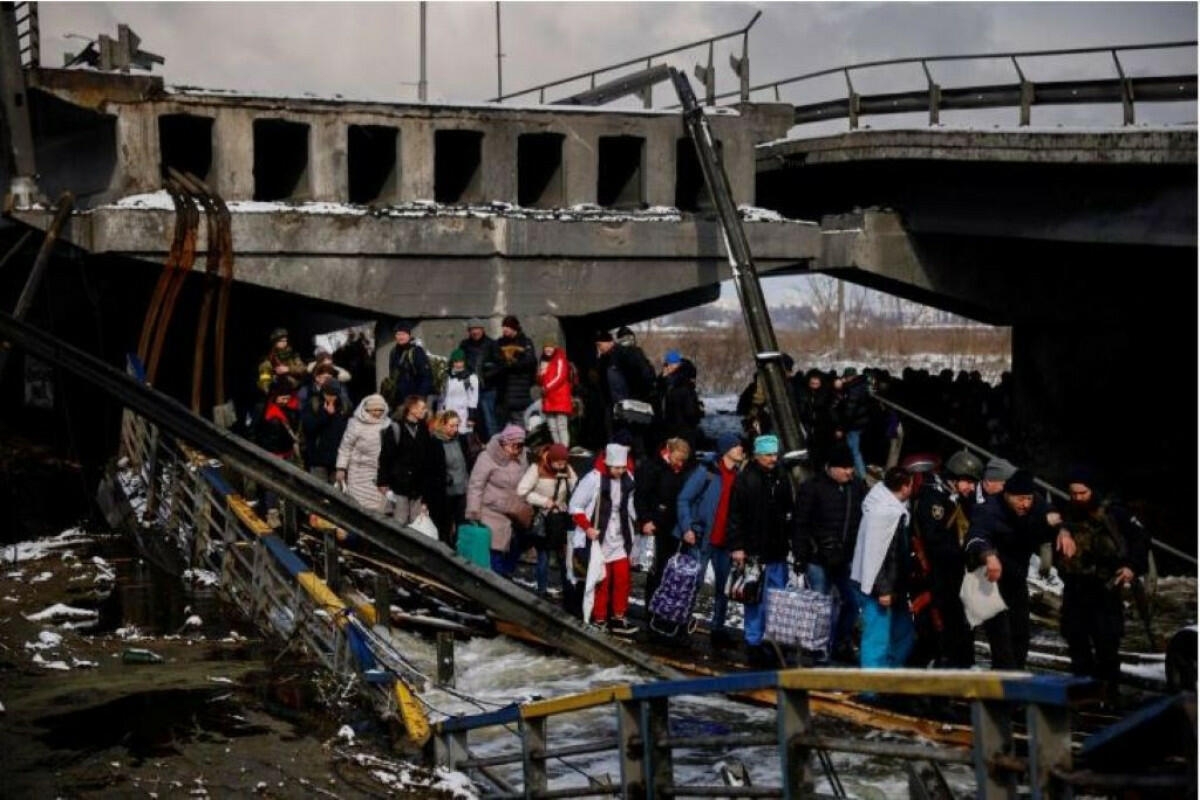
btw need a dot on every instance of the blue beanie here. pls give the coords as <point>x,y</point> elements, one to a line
<point>672,357</point>
<point>766,445</point>
<point>726,442</point>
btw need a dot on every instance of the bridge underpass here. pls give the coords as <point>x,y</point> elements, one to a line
<point>1085,244</point>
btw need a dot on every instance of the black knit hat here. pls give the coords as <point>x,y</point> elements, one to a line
<point>402,325</point>
<point>840,455</point>
<point>277,334</point>
<point>511,322</point>
<point>1020,483</point>
<point>602,336</point>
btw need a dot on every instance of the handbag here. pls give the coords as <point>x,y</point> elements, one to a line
<point>980,597</point>
<point>745,583</point>
<point>521,513</point>
<point>798,615</point>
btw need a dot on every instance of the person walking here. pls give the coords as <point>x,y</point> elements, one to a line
<point>492,497</point>
<point>404,459</point>
<point>703,513</point>
<point>761,514</point>
<point>879,569</point>
<point>828,513</point>
<point>358,452</point>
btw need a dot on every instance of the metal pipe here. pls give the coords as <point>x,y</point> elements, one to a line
<point>744,740</point>
<point>582,749</point>
<point>422,85</point>
<point>720,791</point>
<point>499,55</point>
<point>919,752</point>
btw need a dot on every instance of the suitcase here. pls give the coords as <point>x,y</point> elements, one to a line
<point>799,616</point>
<point>671,605</point>
<point>475,544</point>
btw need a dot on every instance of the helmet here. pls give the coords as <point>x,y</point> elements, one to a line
<point>965,464</point>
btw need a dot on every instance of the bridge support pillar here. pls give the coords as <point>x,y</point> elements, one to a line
<point>993,742</point>
<point>794,720</point>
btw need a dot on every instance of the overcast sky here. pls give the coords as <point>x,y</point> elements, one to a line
<point>370,50</point>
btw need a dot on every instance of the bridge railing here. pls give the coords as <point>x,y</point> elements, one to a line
<point>1022,94</point>
<point>181,500</point>
<point>644,742</point>
<point>707,74</point>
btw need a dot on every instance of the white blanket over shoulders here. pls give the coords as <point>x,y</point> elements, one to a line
<point>882,514</point>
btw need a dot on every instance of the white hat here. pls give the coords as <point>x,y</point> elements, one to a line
<point>616,455</point>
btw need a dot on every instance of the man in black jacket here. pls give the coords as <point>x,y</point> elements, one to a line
<point>655,496</point>
<point>681,409</point>
<point>513,373</point>
<point>760,523</point>
<point>1006,530</point>
<point>323,420</point>
<point>828,512</point>
<point>482,359</point>
<point>852,413</point>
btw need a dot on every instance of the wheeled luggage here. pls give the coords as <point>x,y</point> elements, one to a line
<point>671,605</point>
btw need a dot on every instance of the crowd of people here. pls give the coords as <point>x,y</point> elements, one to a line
<point>489,443</point>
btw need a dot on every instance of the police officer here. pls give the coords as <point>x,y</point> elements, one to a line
<point>1005,531</point>
<point>1110,551</point>
<point>941,520</point>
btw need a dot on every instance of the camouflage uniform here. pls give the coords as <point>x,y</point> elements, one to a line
<point>1092,620</point>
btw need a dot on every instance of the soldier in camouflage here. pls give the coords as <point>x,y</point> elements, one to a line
<point>1111,551</point>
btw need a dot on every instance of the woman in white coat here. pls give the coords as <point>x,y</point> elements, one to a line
<point>358,454</point>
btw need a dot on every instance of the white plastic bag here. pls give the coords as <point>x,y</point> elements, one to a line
<point>642,559</point>
<point>980,597</point>
<point>424,524</point>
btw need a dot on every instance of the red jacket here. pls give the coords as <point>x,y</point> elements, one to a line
<point>556,384</point>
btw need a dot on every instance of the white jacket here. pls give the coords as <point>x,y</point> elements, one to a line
<point>461,396</point>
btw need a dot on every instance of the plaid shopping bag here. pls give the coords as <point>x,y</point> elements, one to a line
<point>800,616</point>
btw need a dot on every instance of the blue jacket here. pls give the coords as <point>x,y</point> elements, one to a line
<point>696,507</point>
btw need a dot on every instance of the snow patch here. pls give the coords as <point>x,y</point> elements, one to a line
<point>46,641</point>
<point>201,577</point>
<point>40,548</point>
<point>44,664</point>
<point>41,577</point>
<point>62,611</point>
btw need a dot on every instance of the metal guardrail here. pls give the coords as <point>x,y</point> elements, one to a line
<point>706,74</point>
<point>1023,94</point>
<point>644,744</point>
<point>180,495</point>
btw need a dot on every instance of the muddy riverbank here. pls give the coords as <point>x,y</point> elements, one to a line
<point>117,682</point>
